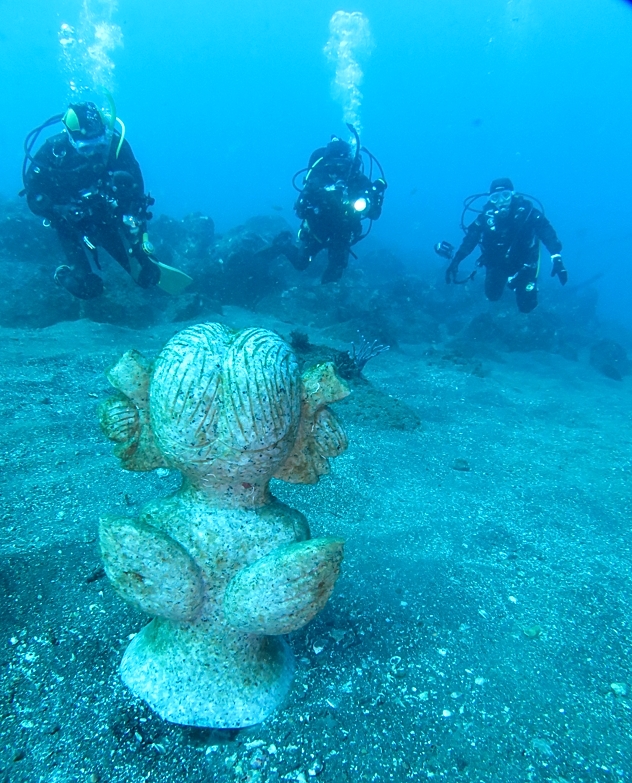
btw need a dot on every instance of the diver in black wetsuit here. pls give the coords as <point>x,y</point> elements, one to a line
<point>509,231</point>
<point>86,183</point>
<point>336,197</point>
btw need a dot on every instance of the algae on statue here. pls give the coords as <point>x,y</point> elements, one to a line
<point>223,567</point>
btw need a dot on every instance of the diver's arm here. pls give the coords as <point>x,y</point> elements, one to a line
<point>360,186</point>
<point>309,199</point>
<point>127,180</point>
<point>546,233</point>
<point>125,161</point>
<point>470,241</point>
<point>375,194</point>
<point>40,204</point>
<point>39,184</point>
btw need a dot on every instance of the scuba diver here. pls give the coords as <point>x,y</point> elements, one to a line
<point>86,183</point>
<point>508,229</point>
<point>335,198</point>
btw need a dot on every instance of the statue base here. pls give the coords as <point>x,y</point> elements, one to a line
<point>192,676</point>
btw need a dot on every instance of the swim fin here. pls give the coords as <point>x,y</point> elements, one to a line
<point>172,280</point>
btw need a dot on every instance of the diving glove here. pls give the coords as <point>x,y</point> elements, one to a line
<point>451,272</point>
<point>559,269</point>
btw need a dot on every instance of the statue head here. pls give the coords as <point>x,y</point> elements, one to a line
<point>229,410</point>
<point>225,405</point>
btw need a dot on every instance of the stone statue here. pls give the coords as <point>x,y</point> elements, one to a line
<point>224,568</point>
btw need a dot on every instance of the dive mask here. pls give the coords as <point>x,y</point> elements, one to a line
<point>99,145</point>
<point>501,198</point>
<point>87,131</point>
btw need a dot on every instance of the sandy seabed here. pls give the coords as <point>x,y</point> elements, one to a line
<point>481,630</point>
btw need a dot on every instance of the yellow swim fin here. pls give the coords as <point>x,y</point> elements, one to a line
<point>172,280</point>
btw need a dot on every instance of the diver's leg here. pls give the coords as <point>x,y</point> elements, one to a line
<point>149,274</point>
<point>131,256</point>
<point>308,248</point>
<point>80,275</point>
<point>527,291</point>
<point>338,259</point>
<point>495,280</point>
<point>283,245</point>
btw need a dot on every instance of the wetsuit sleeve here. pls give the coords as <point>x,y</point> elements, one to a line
<point>303,205</point>
<point>375,193</point>
<point>309,199</point>
<point>127,162</point>
<point>360,185</point>
<point>126,179</point>
<point>546,233</point>
<point>470,241</point>
<point>39,183</point>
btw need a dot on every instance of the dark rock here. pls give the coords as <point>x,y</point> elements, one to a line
<point>185,243</point>
<point>22,235</point>
<point>243,266</point>
<point>511,331</point>
<point>370,407</point>
<point>610,359</point>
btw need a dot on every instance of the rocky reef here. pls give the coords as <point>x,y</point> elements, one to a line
<point>378,296</point>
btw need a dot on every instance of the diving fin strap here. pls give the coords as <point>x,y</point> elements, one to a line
<point>173,281</point>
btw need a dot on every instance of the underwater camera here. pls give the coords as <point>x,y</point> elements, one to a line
<point>445,250</point>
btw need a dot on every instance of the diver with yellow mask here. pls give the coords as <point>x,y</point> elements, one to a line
<point>86,183</point>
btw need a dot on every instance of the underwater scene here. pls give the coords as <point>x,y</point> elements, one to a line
<point>316,366</point>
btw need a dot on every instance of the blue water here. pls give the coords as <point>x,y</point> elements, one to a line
<point>224,101</point>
